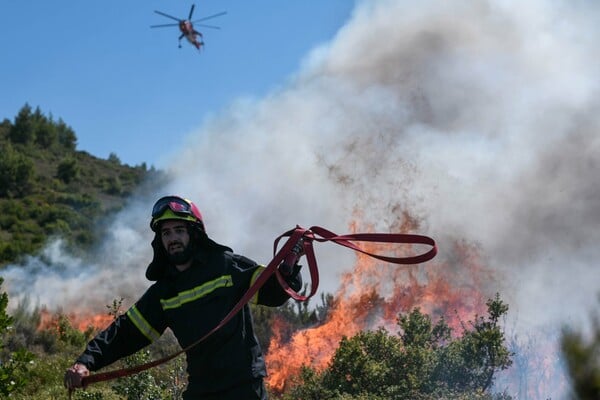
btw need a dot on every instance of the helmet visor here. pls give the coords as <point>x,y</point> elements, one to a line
<point>178,205</point>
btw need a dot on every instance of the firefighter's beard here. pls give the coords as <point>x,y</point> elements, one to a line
<point>181,256</point>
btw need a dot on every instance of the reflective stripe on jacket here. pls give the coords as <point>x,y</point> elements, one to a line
<point>191,303</point>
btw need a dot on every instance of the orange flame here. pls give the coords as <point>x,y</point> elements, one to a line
<point>80,321</point>
<point>372,296</point>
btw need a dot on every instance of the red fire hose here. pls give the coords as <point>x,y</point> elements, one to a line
<point>306,237</point>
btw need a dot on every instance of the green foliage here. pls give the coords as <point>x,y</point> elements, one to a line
<point>59,343</point>
<point>67,170</point>
<point>14,365</point>
<point>66,136</point>
<point>357,368</point>
<point>47,188</point>
<point>45,132</point>
<point>113,158</point>
<point>115,308</point>
<point>5,127</point>
<point>83,395</point>
<point>112,185</point>
<point>16,172</point>
<point>22,132</point>
<point>583,360</point>
<point>46,381</point>
<point>141,386</point>
<point>35,129</point>
<point>423,362</point>
<point>55,346</point>
<point>69,335</point>
<point>481,352</point>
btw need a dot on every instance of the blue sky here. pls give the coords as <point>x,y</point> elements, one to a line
<point>128,89</point>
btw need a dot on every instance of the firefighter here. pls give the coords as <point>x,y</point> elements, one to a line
<point>196,283</point>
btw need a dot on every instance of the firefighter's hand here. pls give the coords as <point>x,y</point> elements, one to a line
<point>74,376</point>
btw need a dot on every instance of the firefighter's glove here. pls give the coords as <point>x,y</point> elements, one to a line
<point>74,376</point>
<point>289,271</point>
<point>289,266</point>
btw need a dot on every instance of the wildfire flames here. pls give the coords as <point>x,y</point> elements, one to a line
<point>372,296</point>
<point>81,322</point>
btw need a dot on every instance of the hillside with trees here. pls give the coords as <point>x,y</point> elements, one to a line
<point>48,187</point>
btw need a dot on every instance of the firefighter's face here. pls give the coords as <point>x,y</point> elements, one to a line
<point>175,239</point>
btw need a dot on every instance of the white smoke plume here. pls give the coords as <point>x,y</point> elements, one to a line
<point>480,118</point>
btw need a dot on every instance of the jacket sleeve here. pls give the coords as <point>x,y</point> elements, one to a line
<point>271,293</point>
<point>141,325</point>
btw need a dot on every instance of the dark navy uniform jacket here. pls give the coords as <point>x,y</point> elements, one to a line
<point>191,303</point>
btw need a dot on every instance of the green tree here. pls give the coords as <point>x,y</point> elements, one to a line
<point>66,135</point>
<point>45,133</point>
<point>583,360</point>
<point>67,170</point>
<point>423,362</point>
<point>113,158</point>
<point>22,131</point>
<point>16,172</point>
<point>13,364</point>
<point>470,364</point>
<point>113,185</point>
<point>5,127</point>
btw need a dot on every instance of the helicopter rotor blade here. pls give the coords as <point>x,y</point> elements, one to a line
<point>209,26</point>
<point>191,12</point>
<point>167,15</point>
<point>210,16</point>
<point>162,25</point>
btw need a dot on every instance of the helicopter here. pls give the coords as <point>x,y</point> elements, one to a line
<point>187,28</point>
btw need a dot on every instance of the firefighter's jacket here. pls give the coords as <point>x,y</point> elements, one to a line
<point>191,303</point>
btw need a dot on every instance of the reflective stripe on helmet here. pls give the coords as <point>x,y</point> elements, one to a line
<point>168,214</point>
<point>197,292</point>
<point>140,322</point>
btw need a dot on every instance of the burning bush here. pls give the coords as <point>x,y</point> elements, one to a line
<point>423,362</point>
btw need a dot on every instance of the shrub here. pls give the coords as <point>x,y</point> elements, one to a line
<point>422,363</point>
<point>14,365</point>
